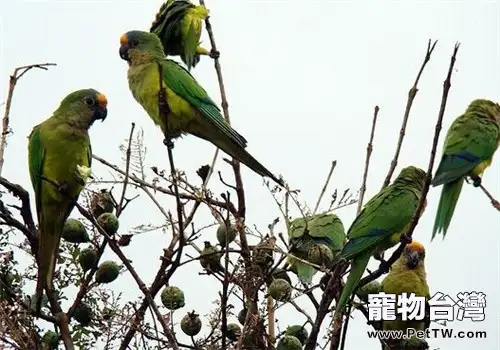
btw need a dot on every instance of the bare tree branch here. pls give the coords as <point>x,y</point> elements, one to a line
<point>411,96</point>
<point>14,78</point>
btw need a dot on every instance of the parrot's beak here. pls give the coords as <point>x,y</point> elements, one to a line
<point>101,110</point>
<point>413,259</point>
<point>124,47</point>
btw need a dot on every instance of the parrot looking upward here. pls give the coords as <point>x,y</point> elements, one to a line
<point>407,275</point>
<point>59,148</point>
<point>380,225</point>
<point>178,24</point>
<point>468,150</point>
<point>190,109</point>
<point>306,233</point>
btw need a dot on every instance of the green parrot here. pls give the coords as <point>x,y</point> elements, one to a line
<point>380,225</point>
<point>408,275</point>
<point>59,150</point>
<point>190,109</point>
<point>178,24</point>
<point>469,147</point>
<point>306,233</point>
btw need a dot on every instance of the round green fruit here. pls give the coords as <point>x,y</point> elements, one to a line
<point>87,259</point>
<point>191,324</point>
<point>226,235</point>
<point>172,298</point>
<point>280,290</point>
<point>75,232</point>
<point>289,342</point>
<point>107,272</point>
<point>298,332</point>
<point>320,254</point>
<point>83,314</point>
<point>51,339</point>
<point>280,273</point>
<point>109,222</point>
<point>233,331</point>
<point>242,315</point>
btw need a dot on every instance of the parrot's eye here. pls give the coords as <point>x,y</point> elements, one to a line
<point>135,42</point>
<point>88,101</point>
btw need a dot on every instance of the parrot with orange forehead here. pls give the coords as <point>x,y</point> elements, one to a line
<point>59,150</point>
<point>189,108</point>
<point>379,226</point>
<point>469,147</point>
<point>408,276</point>
<point>178,24</point>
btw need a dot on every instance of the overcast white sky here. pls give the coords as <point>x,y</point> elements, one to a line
<point>302,78</point>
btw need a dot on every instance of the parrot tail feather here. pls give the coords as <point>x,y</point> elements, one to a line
<point>47,259</point>
<point>305,272</point>
<point>247,159</point>
<point>447,203</point>
<point>358,267</point>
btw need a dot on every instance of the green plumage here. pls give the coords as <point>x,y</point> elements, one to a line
<point>304,233</point>
<point>178,24</point>
<point>57,148</point>
<point>468,150</point>
<point>407,275</point>
<point>190,108</point>
<point>379,225</point>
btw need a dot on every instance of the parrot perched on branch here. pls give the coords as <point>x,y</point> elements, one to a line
<point>468,150</point>
<point>190,109</point>
<point>380,225</point>
<point>306,233</point>
<point>178,24</point>
<point>59,152</point>
<point>408,275</point>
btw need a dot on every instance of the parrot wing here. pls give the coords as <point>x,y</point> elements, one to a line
<point>297,227</point>
<point>327,229</point>
<point>385,214</point>
<point>36,153</point>
<point>180,81</point>
<point>168,17</point>
<point>470,141</point>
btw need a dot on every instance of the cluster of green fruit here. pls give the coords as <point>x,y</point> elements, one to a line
<point>173,298</point>
<point>74,231</point>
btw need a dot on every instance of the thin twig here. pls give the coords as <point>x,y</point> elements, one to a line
<point>23,195</point>
<point>397,253</point>
<point>411,96</point>
<point>14,78</point>
<point>119,209</point>
<point>325,186</point>
<point>141,182</point>
<point>494,202</point>
<point>330,293</point>
<point>142,286</point>
<point>218,69</point>
<point>369,150</point>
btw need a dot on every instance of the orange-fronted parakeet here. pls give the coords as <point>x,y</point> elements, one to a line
<point>408,276</point>
<point>380,225</point>
<point>190,109</point>
<point>178,24</point>
<point>306,238</point>
<point>59,150</point>
<point>468,150</point>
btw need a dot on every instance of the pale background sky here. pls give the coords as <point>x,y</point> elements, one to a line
<point>302,79</point>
